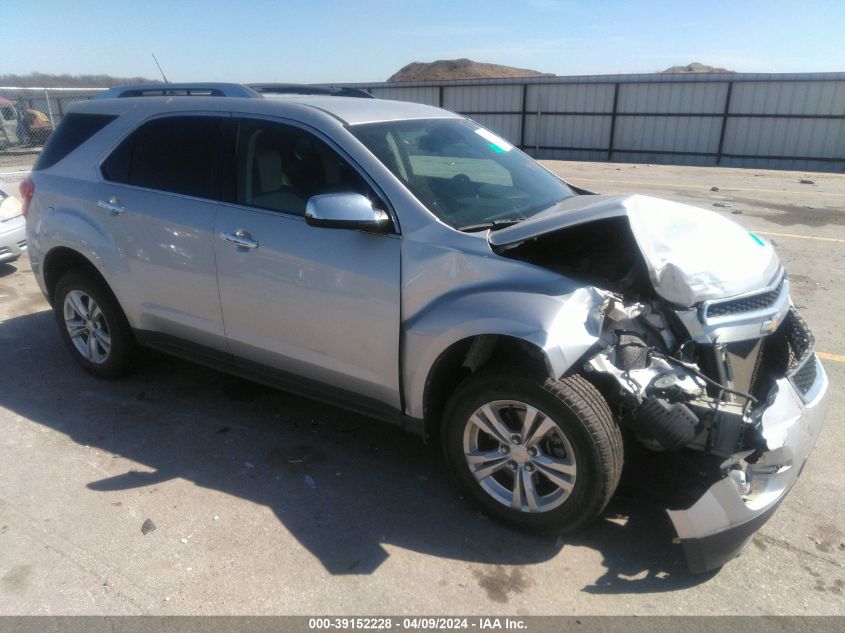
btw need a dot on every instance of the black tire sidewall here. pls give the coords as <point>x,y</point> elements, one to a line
<point>123,347</point>
<point>587,497</point>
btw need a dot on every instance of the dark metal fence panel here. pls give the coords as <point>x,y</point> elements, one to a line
<point>482,98</point>
<point>427,95</point>
<point>775,121</point>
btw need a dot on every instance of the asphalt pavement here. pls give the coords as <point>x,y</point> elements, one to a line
<point>179,490</point>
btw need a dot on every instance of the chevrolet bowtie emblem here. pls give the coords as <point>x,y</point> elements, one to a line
<point>769,326</point>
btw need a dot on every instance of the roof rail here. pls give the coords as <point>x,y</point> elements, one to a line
<point>305,89</point>
<point>180,90</point>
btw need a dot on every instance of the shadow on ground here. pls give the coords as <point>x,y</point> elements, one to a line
<point>343,485</point>
<point>7,269</point>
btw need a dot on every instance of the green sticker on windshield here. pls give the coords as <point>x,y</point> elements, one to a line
<point>496,143</point>
<point>756,239</point>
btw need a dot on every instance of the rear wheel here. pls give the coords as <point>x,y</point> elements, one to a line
<point>536,453</point>
<point>92,325</point>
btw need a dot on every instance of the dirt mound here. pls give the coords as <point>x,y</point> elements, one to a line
<point>696,67</point>
<point>445,69</point>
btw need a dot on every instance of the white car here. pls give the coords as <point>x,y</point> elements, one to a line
<point>12,227</point>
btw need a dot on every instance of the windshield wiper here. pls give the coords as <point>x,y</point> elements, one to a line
<point>493,225</point>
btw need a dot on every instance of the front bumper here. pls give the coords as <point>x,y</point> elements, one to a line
<point>12,239</point>
<point>722,521</point>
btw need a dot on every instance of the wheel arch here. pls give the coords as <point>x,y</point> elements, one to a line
<point>60,260</point>
<point>556,330</point>
<point>467,356</point>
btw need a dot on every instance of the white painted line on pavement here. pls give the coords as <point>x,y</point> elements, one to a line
<point>722,190</point>
<point>801,237</point>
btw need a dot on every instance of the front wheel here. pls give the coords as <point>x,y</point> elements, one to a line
<point>537,453</point>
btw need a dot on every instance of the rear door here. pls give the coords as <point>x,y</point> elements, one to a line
<point>159,204</point>
<point>317,304</point>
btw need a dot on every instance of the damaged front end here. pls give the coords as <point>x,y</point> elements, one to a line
<point>757,405</point>
<point>716,366</point>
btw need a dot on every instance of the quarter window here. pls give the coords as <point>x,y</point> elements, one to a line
<point>279,167</point>
<point>73,131</point>
<point>175,154</point>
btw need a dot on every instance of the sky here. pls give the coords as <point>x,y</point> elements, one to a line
<point>325,41</point>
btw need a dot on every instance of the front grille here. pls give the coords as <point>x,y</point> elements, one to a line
<point>799,338</point>
<point>805,377</point>
<point>746,304</point>
<point>788,352</point>
<point>22,244</point>
<point>5,251</point>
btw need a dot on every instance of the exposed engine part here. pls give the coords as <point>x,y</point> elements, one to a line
<point>701,375</point>
<point>631,352</point>
<point>671,425</point>
<point>603,252</point>
<point>668,400</point>
<point>634,383</point>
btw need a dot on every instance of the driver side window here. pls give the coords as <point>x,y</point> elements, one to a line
<point>279,167</point>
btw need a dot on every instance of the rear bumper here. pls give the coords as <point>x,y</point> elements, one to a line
<point>723,520</point>
<point>12,239</point>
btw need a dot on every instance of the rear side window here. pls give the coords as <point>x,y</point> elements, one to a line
<point>176,154</point>
<point>72,132</point>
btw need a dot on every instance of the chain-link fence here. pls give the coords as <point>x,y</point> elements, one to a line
<point>29,115</point>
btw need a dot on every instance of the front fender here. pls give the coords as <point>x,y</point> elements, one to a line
<point>561,326</point>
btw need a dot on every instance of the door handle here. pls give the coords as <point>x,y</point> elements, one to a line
<point>114,206</point>
<point>240,238</point>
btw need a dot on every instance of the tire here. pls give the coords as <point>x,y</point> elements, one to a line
<point>573,427</point>
<point>74,293</point>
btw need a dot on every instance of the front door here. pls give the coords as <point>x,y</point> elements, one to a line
<point>318,307</point>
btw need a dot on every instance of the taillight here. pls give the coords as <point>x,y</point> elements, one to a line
<point>27,190</point>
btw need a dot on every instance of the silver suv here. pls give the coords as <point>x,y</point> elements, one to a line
<point>403,262</point>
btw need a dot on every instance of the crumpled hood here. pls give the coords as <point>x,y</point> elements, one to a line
<point>692,255</point>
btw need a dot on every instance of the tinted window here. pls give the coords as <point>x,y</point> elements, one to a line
<point>72,132</point>
<point>175,154</point>
<point>279,167</point>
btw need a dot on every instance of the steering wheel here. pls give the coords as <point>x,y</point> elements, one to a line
<point>461,185</point>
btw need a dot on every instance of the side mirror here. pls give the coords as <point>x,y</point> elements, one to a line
<point>346,211</point>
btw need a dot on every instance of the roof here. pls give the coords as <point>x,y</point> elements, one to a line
<point>354,110</point>
<point>348,110</point>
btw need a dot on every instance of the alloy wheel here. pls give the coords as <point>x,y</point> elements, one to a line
<point>519,456</point>
<point>87,326</point>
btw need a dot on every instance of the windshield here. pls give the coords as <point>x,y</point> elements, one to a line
<point>466,175</point>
